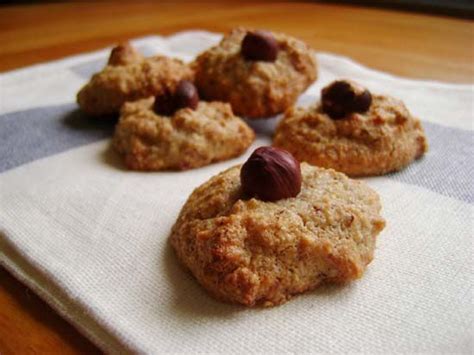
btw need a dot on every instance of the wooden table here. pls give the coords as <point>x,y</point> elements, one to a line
<point>411,45</point>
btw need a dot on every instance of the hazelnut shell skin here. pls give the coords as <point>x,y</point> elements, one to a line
<point>260,46</point>
<point>164,104</point>
<point>362,101</point>
<point>341,98</point>
<point>271,174</point>
<point>185,95</point>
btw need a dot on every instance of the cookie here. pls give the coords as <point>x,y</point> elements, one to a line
<point>189,138</point>
<point>246,250</point>
<point>129,76</point>
<point>260,79</point>
<point>353,132</point>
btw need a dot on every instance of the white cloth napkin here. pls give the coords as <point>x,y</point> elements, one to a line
<point>91,238</point>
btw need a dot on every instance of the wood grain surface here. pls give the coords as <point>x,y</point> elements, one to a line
<point>410,45</point>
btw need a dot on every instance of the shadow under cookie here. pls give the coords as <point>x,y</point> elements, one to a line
<point>79,121</point>
<point>189,299</point>
<point>110,157</point>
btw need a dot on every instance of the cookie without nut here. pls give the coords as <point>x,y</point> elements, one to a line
<point>386,138</point>
<point>262,253</point>
<point>255,88</point>
<point>187,139</point>
<point>129,76</point>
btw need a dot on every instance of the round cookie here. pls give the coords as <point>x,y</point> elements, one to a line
<point>129,76</point>
<point>255,88</point>
<point>248,251</point>
<point>187,139</point>
<point>383,139</point>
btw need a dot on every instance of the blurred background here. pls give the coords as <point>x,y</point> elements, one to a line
<point>455,8</point>
<point>425,39</point>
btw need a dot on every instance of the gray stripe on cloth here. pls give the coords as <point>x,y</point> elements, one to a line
<point>448,167</point>
<point>89,68</point>
<point>28,135</point>
<point>40,132</point>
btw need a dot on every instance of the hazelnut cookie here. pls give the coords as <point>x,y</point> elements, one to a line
<point>176,131</point>
<point>353,132</point>
<point>258,248</point>
<point>259,73</point>
<point>129,76</point>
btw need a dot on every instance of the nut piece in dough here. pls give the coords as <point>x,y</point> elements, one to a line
<point>188,139</point>
<point>129,76</point>
<point>254,252</point>
<point>383,139</point>
<point>255,88</point>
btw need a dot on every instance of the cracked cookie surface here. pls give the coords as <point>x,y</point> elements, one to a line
<point>187,139</point>
<point>253,252</point>
<point>129,76</point>
<point>255,88</point>
<point>386,138</point>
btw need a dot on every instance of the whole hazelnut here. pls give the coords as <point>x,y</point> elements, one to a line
<point>185,95</point>
<point>260,45</point>
<point>271,174</point>
<point>343,97</point>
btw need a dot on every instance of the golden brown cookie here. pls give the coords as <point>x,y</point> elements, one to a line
<point>256,88</point>
<point>129,76</point>
<point>383,138</point>
<point>187,139</point>
<point>245,250</point>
